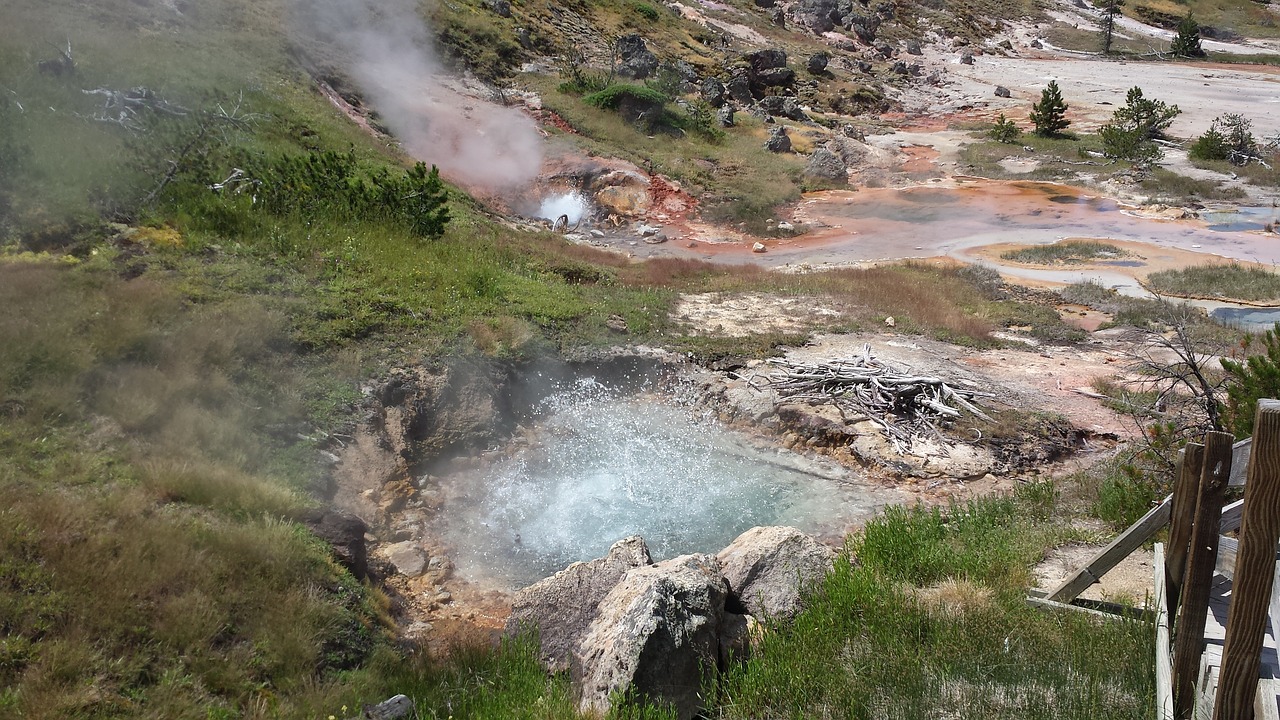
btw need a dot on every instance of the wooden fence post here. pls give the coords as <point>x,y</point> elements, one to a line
<point>1188,645</point>
<point>1255,570</point>
<point>1181,518</point>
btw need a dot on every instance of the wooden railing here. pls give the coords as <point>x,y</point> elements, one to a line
<point>1197,552</point>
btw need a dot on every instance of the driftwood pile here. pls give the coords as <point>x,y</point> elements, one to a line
<point>903,404</point>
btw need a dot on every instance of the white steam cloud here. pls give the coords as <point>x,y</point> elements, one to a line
<point>384,47</point>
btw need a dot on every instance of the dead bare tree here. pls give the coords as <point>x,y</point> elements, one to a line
<point>64,64</point>
<point>1181,385</point>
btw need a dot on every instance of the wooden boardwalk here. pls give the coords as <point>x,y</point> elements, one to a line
<point>1267,705</point>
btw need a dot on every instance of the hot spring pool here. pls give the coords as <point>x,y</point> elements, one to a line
<point>597,467</point>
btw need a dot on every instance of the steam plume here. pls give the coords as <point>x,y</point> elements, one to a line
<point>383,45</point>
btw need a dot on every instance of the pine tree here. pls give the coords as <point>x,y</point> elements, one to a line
<point>1110,9</point>
<point>1050,114</point>
<point>1187,42</point>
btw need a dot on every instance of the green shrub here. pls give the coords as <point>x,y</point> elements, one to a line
<point>331,184</point>
<point>1256,376</point>
<point>644,10</point>
<point>616,97</point>
<point>1004,130</point>
<point>1132,128</point>
<point>1230,138</point>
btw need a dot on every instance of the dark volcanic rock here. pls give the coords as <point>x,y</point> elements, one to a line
<point>345,534</point>
<point>818,62</point>
<point>827,165</point>
<point>637,60</point>
<point>778,141</point>
<point>713,92</point>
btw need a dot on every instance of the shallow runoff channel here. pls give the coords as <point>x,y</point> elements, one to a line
<point>596,466</point>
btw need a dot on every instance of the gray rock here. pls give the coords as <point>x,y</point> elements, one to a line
<point>767,566</point>
<point>785,106</point>
<point>913,47</point>
<point>636,59</point>
<point>778,17</point>
<point>408,558</point>
<point>725,116</point>
<point>885,50</point>
<point>1002,91</point>
<point>501,7</point>
<point>865,67</point>
<point>765,3</point>
<point>739,88</point>
<point>826,165</point>
<point>778,141</point>
<point>900,67</point>
<point>656,633</point>
<point>885,11</point>
<point>1005,45</point>
<point>818,16</point>
<point>818,62</point>
<point>1035,43</point>
<point>776,77</point>
<point>562,606</point>
<point>864,26</point>
<point>966,58</point>
<point>762,60</point>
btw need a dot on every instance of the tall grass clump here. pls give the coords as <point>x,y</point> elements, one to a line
<point>1228,280</point>
<point>1066,251</point>
<point>926,617</point>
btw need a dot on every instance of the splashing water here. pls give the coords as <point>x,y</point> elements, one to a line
<point>573,204</point>
<point>606,467</point>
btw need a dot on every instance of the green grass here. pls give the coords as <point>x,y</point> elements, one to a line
<point>931,621</point>
<point>1170,187</point>
<point>1219,280</point>
<point>1253,173</point>
<point>1053,154</point>
<point>1065,252</point>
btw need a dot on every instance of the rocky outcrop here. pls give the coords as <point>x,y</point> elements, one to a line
<point>659,631</point>
<point>826,165</point>
<point>818,16</point>
<point>637,61</point>
<point>778,141</point>
<point>656,634</point>
<point>562,606</point>
<point>783,106</point>
<point>713,92</point>
<point>767,567</point>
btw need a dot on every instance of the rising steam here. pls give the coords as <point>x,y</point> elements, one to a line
<point>383,45</point>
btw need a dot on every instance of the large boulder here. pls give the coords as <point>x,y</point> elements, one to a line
<point>766,567</point>
<point>778,140</point>
<point>762,60</point>
<point>562,606</point>
<point>656,634</point>
<point>817,62</point>
<point>739,88</point>
<point>345,534</point>
<point>818,16</point>
<point>637,61</point>
<point>827,165</point>
<point>713,92</point>
<point>776,77</point>
<point>783,106</point>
